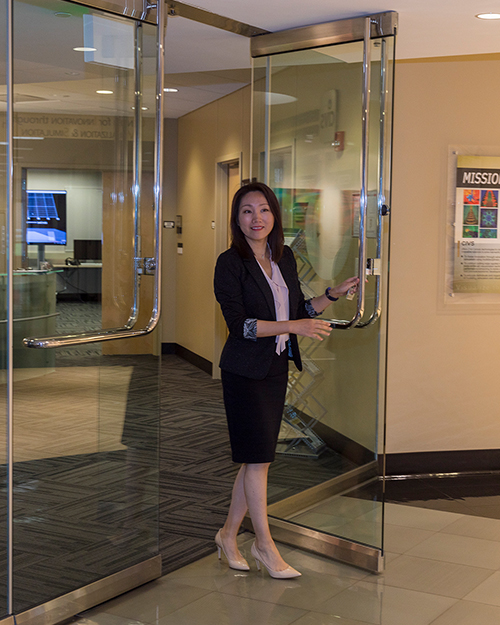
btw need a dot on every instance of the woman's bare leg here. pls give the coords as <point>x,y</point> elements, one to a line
<point>236,514</point>
<point>250,494</point>
<point>255,483</point>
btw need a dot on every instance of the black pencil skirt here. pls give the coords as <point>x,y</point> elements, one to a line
<point>254,409</point>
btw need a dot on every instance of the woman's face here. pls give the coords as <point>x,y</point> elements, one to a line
<point>255,218</point>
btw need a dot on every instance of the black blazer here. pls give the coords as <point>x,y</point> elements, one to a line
<point>244,293</point>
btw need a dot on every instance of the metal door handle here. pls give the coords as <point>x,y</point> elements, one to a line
<point>127,331</point>
<point>382,208</point>
<point>363,196</point>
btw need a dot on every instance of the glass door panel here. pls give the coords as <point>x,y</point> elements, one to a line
<point>308,146</point>
<point>3,320</point>
<point>85,416</point>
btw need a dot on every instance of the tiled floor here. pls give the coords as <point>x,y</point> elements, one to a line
<point>442,568</point>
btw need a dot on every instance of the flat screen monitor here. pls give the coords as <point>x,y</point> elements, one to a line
<point>46,217</point>
<point>87,249</point>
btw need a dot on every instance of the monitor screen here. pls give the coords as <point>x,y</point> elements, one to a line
<point>87,249</point>
<point>46,217</point>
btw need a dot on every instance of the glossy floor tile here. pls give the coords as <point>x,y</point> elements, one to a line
<point>370,603</point>
<point>435,577</point>
<point>488,591</point>
<point>443,574</point>
<point>460,550</point>
<point>469,613</point>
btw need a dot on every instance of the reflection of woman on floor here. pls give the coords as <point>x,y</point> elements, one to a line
<point>257,287</point>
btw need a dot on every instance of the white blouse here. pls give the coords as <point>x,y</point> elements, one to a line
<point>281,304</point>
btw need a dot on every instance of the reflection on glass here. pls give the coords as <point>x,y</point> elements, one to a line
<point>311,121</point>
<point>86,417</point>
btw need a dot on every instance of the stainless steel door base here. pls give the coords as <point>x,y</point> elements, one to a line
<point>324,544</point>
<point>82,599</point>
<point>328,546</point>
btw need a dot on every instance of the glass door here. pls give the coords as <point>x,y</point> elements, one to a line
<point>86,117</point>
<point>322,103</point>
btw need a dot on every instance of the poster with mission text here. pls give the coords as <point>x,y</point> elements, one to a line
<point>477,241</point>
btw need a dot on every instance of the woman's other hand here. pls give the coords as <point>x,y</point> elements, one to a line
<point>313,328</point>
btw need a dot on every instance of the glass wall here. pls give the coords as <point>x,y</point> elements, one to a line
<point>85,417</point>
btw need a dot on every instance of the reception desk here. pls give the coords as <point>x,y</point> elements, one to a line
<point>34,315</point>
<point>79,281</point>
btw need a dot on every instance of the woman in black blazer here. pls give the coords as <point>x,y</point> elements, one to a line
<point>257,287</point>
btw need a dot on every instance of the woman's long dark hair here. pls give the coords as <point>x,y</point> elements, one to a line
<point>276,239</point>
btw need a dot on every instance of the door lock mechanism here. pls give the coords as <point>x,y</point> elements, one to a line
<point>145,266</point>
<point>373,266</point>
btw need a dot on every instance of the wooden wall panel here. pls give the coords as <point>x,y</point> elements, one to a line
<point>118,261</point>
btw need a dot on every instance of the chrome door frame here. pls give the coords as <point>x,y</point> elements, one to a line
<point>10,301</point>
<point>140,10</point>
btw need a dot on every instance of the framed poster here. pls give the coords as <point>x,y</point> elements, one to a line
<point>476,265</point>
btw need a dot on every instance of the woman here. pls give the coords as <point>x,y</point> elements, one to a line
<point>257,287</point>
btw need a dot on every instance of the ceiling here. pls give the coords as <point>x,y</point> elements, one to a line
<point>204,62</point>
<point>426,27</point>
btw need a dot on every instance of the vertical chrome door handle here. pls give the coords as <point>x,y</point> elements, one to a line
<point>382,208</point>
<point>363,197</point>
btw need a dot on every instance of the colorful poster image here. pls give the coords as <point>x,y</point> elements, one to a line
<point>471,215</point>
<point>470,232</point>
<point>477,243</point>
<point>489,197</point>
<point>471,196</point>
<point>489,217</point>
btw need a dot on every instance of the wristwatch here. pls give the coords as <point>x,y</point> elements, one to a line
<point>328,296</point>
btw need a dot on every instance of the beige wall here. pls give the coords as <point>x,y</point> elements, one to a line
<point>169,211</point>
<point>211,134</point>
<point>218,131</point>
<point>443,391</point>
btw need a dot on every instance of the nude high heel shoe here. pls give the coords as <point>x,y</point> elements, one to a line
<point>238,565</point>
<point>287,573</point>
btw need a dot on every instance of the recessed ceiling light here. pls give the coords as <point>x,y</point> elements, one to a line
<point>170,90</point>
<point>84,49</point>
<point>72,73</point>
<point>104,91</point>
<point>144,108</point>
<point>488,16</point>
<point>62,14</point>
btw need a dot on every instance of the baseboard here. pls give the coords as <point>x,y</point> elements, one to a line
<point>198,361</point>
<point>168,348</point>
<point>343,445</point>
<point>460,461</point>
